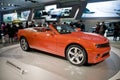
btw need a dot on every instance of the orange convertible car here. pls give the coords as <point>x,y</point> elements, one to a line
<point>78,47</point>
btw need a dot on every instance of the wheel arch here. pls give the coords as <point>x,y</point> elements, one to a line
<point>23,37</point>
<point>26,41</point>
<point>78,45</point>
<point>20,37</point>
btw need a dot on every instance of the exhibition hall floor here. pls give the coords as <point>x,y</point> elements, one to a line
<point>16,64</point>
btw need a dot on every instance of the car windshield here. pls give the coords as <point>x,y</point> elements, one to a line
<point>64,29</point>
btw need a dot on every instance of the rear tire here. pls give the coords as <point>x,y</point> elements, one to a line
<point>76,55</point>
<point>24,44</point>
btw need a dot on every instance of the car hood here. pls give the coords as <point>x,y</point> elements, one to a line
<point>89,36</point>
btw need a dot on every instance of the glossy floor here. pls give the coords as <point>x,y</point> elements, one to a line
<point>39,65</point>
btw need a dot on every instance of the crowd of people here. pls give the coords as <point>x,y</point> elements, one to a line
<point>116,31</point>
<point>78,24</point>
<point>9,31</point>
<point>101,28</point>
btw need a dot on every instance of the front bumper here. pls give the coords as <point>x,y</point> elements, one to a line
<point>95,56</point>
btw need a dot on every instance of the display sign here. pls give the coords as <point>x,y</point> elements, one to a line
<point>9,17</point>
<point>52,12</point>
<point>37,14</point>
<point>109,9</point>
<point>24,15</point>
<point>50,7</point>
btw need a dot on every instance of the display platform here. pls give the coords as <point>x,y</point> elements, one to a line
<point>38,65</point>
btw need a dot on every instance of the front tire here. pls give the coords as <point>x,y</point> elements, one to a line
<point>76,55</point>
<point>24,44</point>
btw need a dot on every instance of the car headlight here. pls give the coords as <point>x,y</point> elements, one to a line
<point>102,45</point>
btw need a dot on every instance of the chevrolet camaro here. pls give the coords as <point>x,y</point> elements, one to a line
<point>76,46</point>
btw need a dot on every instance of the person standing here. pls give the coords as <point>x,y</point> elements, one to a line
<point>26,25</point>
<point>82,25</point>
<point>119,30</point>
<point>102,29</point>
<point>116,31</point>
<point>3,27</point>
<point>97,27</point>
<point>32,24</point>
<point>10,33</point>
<point>78,24</point>
<point>20,26</point>
<point>14,31</point>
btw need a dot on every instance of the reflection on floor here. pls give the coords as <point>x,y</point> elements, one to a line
<point>59,66</point>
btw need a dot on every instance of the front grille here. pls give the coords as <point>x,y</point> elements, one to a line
<point>103,45</point>
<point>105,54</point>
